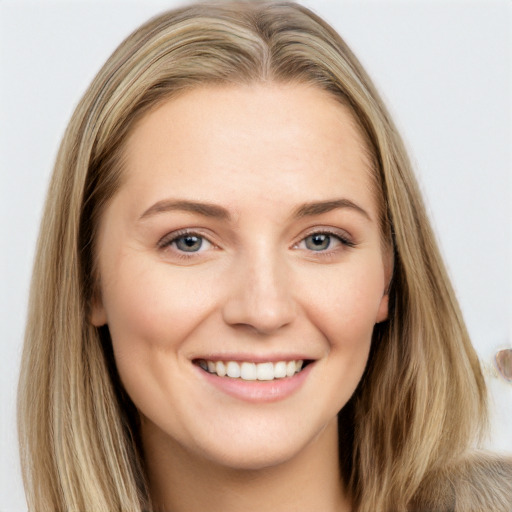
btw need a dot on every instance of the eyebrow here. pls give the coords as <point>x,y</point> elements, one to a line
<point>318,208</point>
<point>218,212</point>
<point>204,209</point>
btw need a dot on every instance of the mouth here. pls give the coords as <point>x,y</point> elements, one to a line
<point>250,371</point>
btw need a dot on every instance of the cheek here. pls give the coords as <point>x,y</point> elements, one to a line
<point>345,309</point>
<point>345,305</point>
<point>152,310</point>
<point>151,306</point>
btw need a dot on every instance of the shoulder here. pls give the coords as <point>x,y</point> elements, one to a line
<point>477,482</point>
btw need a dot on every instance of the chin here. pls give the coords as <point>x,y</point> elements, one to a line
<point>268,447</point>
<point>258,457</point>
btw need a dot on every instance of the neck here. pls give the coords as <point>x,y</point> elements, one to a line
<point>180,481</point>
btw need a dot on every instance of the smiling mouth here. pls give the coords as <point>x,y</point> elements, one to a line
<point>248,371</point>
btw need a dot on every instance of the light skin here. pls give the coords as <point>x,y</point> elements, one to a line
<point>246,229</point>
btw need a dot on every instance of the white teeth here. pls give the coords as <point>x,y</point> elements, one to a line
<point>290,368</point>
<point>265,371</point>
<point>220,369</point>
<point>252,371</point>
<point>248,371</point>
<point>233,370</point>
<point>280,370</point>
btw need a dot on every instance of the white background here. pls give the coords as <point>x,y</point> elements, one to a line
<point>444,68</point>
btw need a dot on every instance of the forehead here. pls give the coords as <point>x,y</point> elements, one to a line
<point>261,140</point>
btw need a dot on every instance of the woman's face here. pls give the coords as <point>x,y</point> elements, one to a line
<point>244,238</point>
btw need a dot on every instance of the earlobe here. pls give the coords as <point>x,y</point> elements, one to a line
<point>389,264</point>
<point>98,316</point>
<point>382,313</point>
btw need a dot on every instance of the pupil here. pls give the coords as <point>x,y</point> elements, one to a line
<point>189,243</point>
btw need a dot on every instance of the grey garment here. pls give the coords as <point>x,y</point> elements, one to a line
<point>480,482</point>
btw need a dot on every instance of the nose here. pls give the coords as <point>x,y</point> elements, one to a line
<point>260,297</point>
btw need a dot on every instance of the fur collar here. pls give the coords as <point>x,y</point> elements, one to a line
<point>480,482</point>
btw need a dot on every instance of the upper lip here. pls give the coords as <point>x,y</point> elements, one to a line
<point>253,358</point>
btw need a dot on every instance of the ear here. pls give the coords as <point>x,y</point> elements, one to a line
<point>98,316</point>
<point>389,264</point>
<point>382,313</point>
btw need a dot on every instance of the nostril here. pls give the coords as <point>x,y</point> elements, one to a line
<point>259,296</point>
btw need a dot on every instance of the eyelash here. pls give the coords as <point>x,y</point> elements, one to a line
<point>342,238</point>
<point>172,238</point>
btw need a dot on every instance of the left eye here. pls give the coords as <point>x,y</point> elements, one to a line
<point>320,242</point>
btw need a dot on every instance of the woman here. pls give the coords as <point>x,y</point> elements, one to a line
<point>238,302</point>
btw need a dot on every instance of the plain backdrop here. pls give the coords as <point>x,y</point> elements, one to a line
<point>444,69</point>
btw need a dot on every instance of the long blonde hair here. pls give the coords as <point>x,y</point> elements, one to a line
<point>421,402</point>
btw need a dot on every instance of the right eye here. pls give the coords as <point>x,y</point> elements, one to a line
<point>185,243</point>
<point>188,243</point>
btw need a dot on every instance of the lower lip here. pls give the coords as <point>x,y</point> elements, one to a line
<point>257,390</point>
